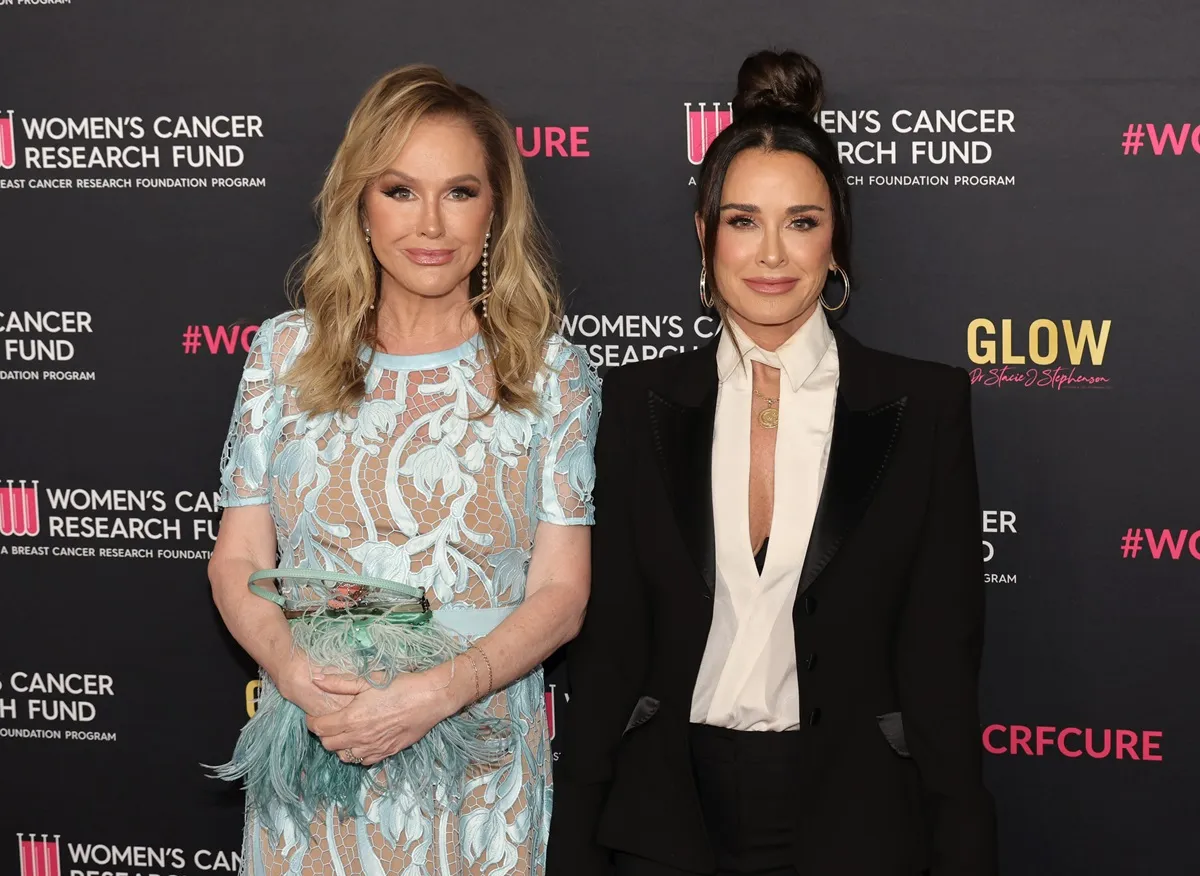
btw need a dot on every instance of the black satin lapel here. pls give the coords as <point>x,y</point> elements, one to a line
<point>646,708</point>
<point>859,456</point>
<point>683,441</point>
<point>892,725</point>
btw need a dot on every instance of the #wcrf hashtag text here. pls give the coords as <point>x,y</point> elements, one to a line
<point>218,339</point>
<point>1161,543</point>
<point>1168,139</point>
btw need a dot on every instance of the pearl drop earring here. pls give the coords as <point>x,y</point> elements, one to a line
<point>483,295</point>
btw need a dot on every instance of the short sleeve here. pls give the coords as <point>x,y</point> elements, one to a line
<point>251,436</point>
<point>567,426</point>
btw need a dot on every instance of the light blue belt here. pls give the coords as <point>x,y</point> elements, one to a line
<point>473,623</point>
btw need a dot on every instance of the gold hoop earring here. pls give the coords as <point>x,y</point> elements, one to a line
<point>485,291</point>
<point>706,300</point>
<point>845,296</point>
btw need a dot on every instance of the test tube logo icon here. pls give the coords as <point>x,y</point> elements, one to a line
<point>19,509</point>
<point>8,143</point>
<point>39,857</point>
<point>703,126</point>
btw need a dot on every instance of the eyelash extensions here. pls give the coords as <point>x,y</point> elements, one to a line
<point>808,222</point>
<point>466,191</point>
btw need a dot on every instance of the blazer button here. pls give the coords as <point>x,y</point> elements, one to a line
<point>810,605</point>
<point>811,663</point>
<point>814,717</point>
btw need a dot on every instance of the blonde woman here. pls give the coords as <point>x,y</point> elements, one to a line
<point>418,422</point>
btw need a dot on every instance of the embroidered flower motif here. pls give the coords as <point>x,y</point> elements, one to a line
<point>508,575</point>
<point>486,840</point>
<point>376,419</point>
<point>434,465</point>
<point>508,436</point>
<point>383,560</point>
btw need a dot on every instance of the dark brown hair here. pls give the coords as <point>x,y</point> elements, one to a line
<point>778,95</point>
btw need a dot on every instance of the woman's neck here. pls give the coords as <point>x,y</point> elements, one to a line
<point>412,324</point>
<point>771,337</point>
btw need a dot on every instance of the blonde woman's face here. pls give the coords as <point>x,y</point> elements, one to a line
<point>428,214</point>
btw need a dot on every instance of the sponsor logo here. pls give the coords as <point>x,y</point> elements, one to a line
<point>551,142</point>
<point>130,152</point>
<point>997,527</point>
<point>911,148</point>
<point>19,509</point>
<point>703,126</point>
<point>218,339</point>
<point>42,336</point>
<point>1044,354</point>
<point>8,144</point>
<point>39,857</point>
<point>1165,139</point>
<point>632,337</point>
<point>126,521</point>
<point>42,854</point>
<point>1160,544</point>
<point>253,692</point>
<point>918,139</point>
<point>550,710</point>
<point>63,704</point>
<point>1072,742</point>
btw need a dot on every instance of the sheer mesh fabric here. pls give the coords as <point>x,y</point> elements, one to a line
<point>408,486</point>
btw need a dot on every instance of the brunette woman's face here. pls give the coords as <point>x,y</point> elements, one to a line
<point>774,246</point>
<point>428,214</point>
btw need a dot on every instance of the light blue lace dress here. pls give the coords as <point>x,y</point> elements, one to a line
<point>406,486</point>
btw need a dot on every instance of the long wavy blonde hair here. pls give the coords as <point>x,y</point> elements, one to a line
<point>341,275</point>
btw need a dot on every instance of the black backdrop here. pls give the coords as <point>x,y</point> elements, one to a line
<point>1086,451</point>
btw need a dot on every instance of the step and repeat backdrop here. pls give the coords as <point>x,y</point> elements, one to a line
<point>1025,184</point>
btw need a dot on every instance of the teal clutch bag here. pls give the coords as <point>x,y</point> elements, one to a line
<point>374,629</point>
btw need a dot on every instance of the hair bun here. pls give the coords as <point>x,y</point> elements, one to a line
<point>779,80</point>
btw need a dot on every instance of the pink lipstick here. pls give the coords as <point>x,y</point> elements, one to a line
<point>771,285</point>
<point>430,256</point>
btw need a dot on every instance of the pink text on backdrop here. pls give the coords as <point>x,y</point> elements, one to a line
<point>1040,741</point>
<point>562,142</point>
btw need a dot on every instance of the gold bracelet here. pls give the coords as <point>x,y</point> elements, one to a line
<point>474,672</point>
<point>488,662</point>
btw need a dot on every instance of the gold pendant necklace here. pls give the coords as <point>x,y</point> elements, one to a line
<point>768,417</point>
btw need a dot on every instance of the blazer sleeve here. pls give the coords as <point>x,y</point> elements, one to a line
<point>938,653</point>
<point>606,663</point>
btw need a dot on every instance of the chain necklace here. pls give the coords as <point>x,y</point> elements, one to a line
<point>768,417</point>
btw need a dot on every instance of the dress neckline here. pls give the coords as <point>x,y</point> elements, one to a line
<point>420,361</point>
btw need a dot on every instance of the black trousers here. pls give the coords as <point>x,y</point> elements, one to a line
<point>747,786</point>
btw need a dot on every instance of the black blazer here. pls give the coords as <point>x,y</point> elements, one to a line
<point>888,621</point>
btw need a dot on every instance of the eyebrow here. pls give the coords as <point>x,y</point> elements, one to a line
<point>791,211</point>
<point>453,181</point>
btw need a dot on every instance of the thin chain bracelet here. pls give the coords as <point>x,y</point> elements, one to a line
<point>484,655</point>
<point>474,671</point>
